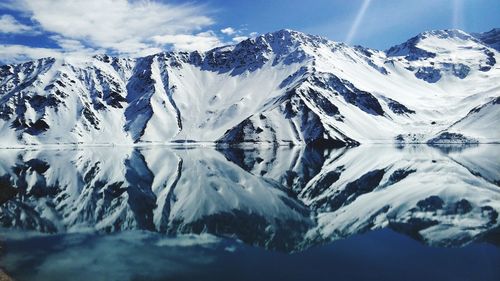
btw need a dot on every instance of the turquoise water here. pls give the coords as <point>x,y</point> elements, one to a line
<point>377,255</point>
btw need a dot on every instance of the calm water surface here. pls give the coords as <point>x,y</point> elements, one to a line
<point>157,213</point>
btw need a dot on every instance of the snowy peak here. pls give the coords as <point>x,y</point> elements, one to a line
<point>284,46</point>
<point>491,38</point>
<point>427,44</point>
<point>432,54</point>
<point>284,87</point>
<point>450,34</point>
<point>287,37</point>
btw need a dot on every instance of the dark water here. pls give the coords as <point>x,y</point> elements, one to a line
<point>157,213</point>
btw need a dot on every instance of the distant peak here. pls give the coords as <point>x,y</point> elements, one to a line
<point>441,34</point>
<point>295,33</point>
<point>492,31</point>
<point>410,46</point>
<point>445,34</point>
<point>287,31</point>
<point>490,38</point>
<point>289,37</point>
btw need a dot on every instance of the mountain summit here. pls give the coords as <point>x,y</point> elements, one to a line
<point>285,87</point>
<point>491,38</point>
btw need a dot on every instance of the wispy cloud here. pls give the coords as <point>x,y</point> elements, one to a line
<point>8,24</point>
<point>237,35</point>
<point>228,31</point>
<point>118,25</point>
<point>126,27</point>
<point>202,41</point>
<point>18,53</point>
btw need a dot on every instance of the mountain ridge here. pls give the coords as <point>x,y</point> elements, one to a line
<point>284,87</point>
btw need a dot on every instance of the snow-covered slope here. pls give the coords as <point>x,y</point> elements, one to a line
<point>480,122</point>
<point>282,87</point>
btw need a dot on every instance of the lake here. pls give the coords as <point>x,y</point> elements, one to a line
<point>373,212</point>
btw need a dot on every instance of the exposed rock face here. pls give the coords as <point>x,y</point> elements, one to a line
<point>284,87</point>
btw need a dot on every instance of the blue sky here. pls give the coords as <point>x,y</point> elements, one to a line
<point>36,28</point>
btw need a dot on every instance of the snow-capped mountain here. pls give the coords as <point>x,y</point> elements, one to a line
<point>284,87</point>
<point>491,38</point>
<point>279,198</point>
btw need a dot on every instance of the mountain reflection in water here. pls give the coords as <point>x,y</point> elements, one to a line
<point>191,200</point>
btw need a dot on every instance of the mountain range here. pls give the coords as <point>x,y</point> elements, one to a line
<point>284,87</point>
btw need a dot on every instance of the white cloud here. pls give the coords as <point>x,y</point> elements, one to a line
<point>18,53</point>
<point>238,39</point>
<point>116,27</point>
<point>121,26</point>
<point>68,44</point>
<point>228,31</point>
<point>8,24</point>
<point>202,41</point>
<point>14,53</point>
<point>237,35</point>
<point>10,5</point>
